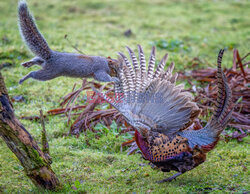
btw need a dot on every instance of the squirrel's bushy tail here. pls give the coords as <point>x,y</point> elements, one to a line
<point>30,33</point>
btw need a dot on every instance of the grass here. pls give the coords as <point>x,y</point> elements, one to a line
<point>185,29</point>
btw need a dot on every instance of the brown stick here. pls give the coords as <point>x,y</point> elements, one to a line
<point>35,162</point>
<point>237,55</point>
<point>44,140</point>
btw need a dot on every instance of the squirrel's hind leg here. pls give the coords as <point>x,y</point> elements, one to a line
<point>34,61</point>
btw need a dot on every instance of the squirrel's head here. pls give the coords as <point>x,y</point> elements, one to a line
<point>113,66</point>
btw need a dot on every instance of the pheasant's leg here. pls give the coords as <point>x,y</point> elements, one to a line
<point>170,178</point>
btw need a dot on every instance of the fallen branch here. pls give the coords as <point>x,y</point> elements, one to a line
<point>35,162</point>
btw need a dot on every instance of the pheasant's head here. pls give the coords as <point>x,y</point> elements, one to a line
<point>141,127</point>
<point>142,142</point>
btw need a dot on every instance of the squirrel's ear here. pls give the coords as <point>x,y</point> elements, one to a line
<point>22,2</point>
<point>120,61</point>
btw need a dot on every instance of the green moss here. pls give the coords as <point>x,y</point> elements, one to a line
<point>97,27</point>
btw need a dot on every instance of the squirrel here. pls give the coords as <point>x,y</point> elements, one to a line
<point>54,63</point>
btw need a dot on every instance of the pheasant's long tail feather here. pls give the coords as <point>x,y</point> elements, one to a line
<point>223,110</point>
<point>207,137</point>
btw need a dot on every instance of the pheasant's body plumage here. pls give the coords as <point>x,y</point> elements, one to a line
<point>159,147</point>
<point>161,113</point>
<point>169,153</point>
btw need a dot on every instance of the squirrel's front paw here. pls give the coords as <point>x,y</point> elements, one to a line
<point>21,81</point>
<point>115,79</point>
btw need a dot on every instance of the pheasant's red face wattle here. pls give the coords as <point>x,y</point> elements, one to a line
<point>142,144</point>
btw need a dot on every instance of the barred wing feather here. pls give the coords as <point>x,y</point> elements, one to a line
<point>150,98</point>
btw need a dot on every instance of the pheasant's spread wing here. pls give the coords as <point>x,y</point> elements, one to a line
<point>150,99</point>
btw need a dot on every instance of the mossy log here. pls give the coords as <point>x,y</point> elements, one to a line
<point>36,163</point>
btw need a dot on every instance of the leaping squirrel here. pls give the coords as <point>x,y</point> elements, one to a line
<point>55,64</point>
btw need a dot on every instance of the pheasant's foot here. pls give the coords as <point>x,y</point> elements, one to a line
<point>153,166</point>
<point>170,178</point>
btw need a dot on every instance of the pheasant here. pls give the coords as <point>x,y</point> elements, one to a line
<point>162,113</point>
